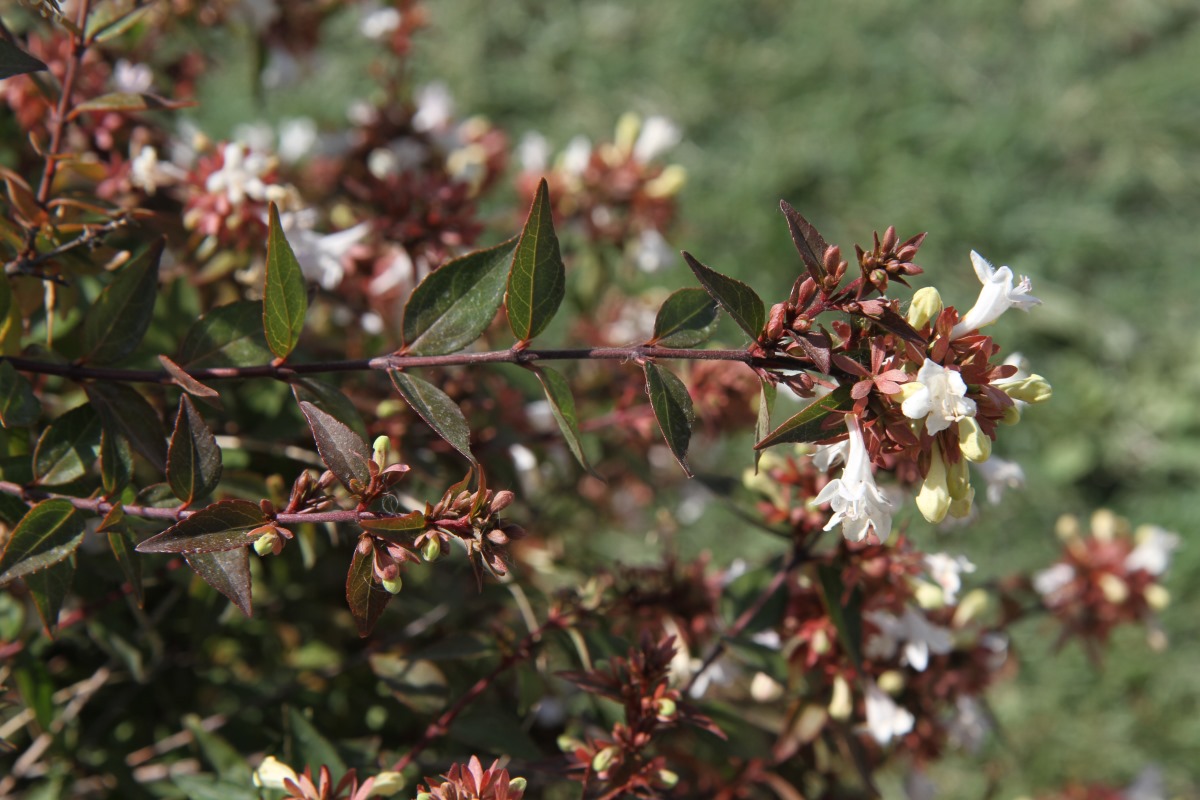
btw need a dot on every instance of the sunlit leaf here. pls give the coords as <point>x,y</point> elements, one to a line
<point>228,336</point>
<point>48,534</point>
<point>19,406</point>
<point>537,281</point>
<point>739,300</point>
<point>437,409</point>
<point>124,411</point>
<point>193,459</point>
<point>343,451</point>
<point>67,448</point>
<point>285,299</point>
<point>114,325</point>
<point>129,101</point>
<point>807,424</point>
<point>222,526</point>
<point>228,572</point>
<point>672,408</point>
<point>687,318</point>
<point>189,384</point>
<point>562,406</point>
<point>49,588</point>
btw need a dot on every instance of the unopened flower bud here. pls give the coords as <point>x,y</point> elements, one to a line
<point>603,760</point>
<point>1115,590</point>
<point>627,133</point>
<point>891,682</point>
<point>926,305</point>
<point>665,709</point>
<point>432,550</point>
<point>928,595</point>
<point>972,604</point>
<point>269,542</point>
<point>841,705</point>
<point>889,240</point>
<point>775,321</point>
<point>820,643</point>
<point>393,585</point>
<point>380,454</point>
<point>1033,389</point>
<point>424,796</point>
<point>1067,529</point>
<point>667,778</point>
<point>958,479</point>
<point>497,536</point>
<point>667,183</point>
<point>960,507</point>
<point>1106,525</point>
<point>517,785</point>
<point>1157,597</point>
<point>933,499</point>
<point>907,252</point>
<point>387,784</point>
<point>502,500</point>
<point>833,256</point>
<point>272,772</point>
<point>1012,415</point>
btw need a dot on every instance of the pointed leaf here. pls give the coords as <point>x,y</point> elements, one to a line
<point>222,526</point>
<point>226,571</point>
<point>365,598</point>
<point>129,101</point>
<point>189,384</point>
<point>313,749</point>
<point>329,399</point>
<point>846,618</point>
<point>125,412</point>
<point>456,302</point>
<point>806,426</point>
<point>48,534</point>
<point>766,405</point>
<point>120,540</point>
<point>15,61</point>
<point>808,241</point>
<point>816,345</point>
<point>49,588</point>
<point>687,318</point>
<point>343,451</point>
<point>114,325</point>
<point>228,336</point>
<point>891,321</point>
<point>67,448</point>
<point>220,754</point>
<point>672,408</point>
<point>193,460</point>
<point>412,521</point>
<point>562,406</point>
<point>19,406</point>
<point>537,282</point>
<point>116,463</point>
<point>285,299</point>
<point>437,409</point>
<point>742,302</point>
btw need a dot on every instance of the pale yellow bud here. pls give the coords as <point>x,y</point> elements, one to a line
<point>667,778</point>
<point>764,688</point>
<point>1106,525</point>
<point>907,390</point>
<point>928,595</point>
<point>1157,597</point>
<point>926,305</point>
<point>269,542</point>
<point>272,772</point>
<point>517,785</point>
<point>960,507</point>
<point>973,603</point>
<point>381,447</point>
<point>667,183</point>
<point>387,784</point>
<point>810,724</point>
<point>891,682</point>
<point>958,480</point>
<point>628,127</point>
<point>1067,529</point>
<point>975,444</point>
<point>933,500</point>
<point>841,705</point>
<point>1012,415</point>
<point>1033,389</point>
<point>394,585</point>
<point>1115,590</point>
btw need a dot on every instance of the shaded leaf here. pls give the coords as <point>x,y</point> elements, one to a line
<point>456,302</point>
<point>672,408</point>
<point>129,101</point>
<point>806,425</point>
<point>120,541</point>
<point>562,406</point>
<point>329,399</point>
<point>418,684</point>
<point>67,448</point>
<point>114,325</point>
<point>116,463</point>
<point>49,588</point>
<point>687,318</point>
<point>343,451</point>
<point>412,521</point>
<point>222,526</point>
<point>228,572</point>
<point>48,534</point>
<point>228,336</point>
<point>847,617</point>
<point>220,754</point>
<point>206,787</point>
<point>817,346</point>
<point>313,749</point>
<point>285,299</point>
<point>365,598</point>
<point>19,406</point>
<point>189,384</point>
<point>808,241</point>
<point>6,297</point>
<point>766,405</point>
<point>537,281</point>
<point>124,411</point>
<point>15,61</point>
<point>739,300</point>
<point>193,459</point>
<point>437,409</point>
<point>891,321</point>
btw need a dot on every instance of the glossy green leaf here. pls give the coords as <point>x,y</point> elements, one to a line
<point>222,526</point>
<point>120,541</point>
<point>67,448</point>
<point>366,598</point>
<point>329,399</point>
<point>844,610</point>
<point>687,318</point>
<point>285,299</point>
<point>672,408</point>
<point>19,406</point>
<point>562,406</point>
<point>228,572</point>
<point>537,281</point>
<point>739,300</point>
<point>437,409</point>
<point>193,459</point>
<point>116,463</point>
<point>412,521</point>
<point>456,302</point>
<point>15,61</point>
<point>125,412</point>
<point>49,588</point>
<point>312,749</point>
<point>114,325</point>
<point>806,426</point>
<point>343,451</point>
<point>228,336</point>
<point>48,534</point>
<point>766,405</point>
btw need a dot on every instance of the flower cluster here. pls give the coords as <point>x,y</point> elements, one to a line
<point>473,782</point>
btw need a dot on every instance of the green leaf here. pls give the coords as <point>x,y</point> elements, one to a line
<point>193,459</point>
<point>456,302</point>
<point>5,297</point>
<point>412,521</point>
<point>437,409</point>
<point>806,426</point>
<point>343,451</point>
<point>67,448</point>
<point>15,61</point>
<point>846,618</point>
<point>418,684</point>
<point>221,756</point>
<point>285,299</point>
<point>329,399</point>
<point>114,325</point>
<point>49,588</point>
<point>227,571</point>
<point>206,787</point>
<point>366,599</point>
<point>687,318</point>
<point>766,405</point>
<point>742,302</point>
<point>562,406</point>
<point>19,406</point>
<point>222,526</point>
<point>672,408</point>
<point>313,749</point>
<point>228,336</point>
<point>537,281</point>
<point>48,534</point>
<point>116,463</point>
<point>125,412</point>
<point>120,540</point>
<point>129,101</point>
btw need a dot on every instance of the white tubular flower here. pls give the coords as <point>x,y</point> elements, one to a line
<point>533,152</point>
<point>321,255</point>
<point>857,502</point>
<point>132,78</point>
<point>939,397</point>
<point>435,108</point>
<point>1154,549</point>
<point>885,719</point>
<point>1050,581</point>
<point>830,455</point>
<point>240,176</point>
<point>652,252</point>
<point>377,23</point>
<point>658,135</point>
<point>999,475</point>
<point>997,296</point>
<point>271,773</point>
<point>920,636</point>
<point>946,571</point>
<point>146,172</point>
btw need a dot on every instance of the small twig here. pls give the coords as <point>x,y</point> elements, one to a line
<point>25,264</point>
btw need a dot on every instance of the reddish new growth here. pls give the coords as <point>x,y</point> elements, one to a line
<point>473,782</point>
